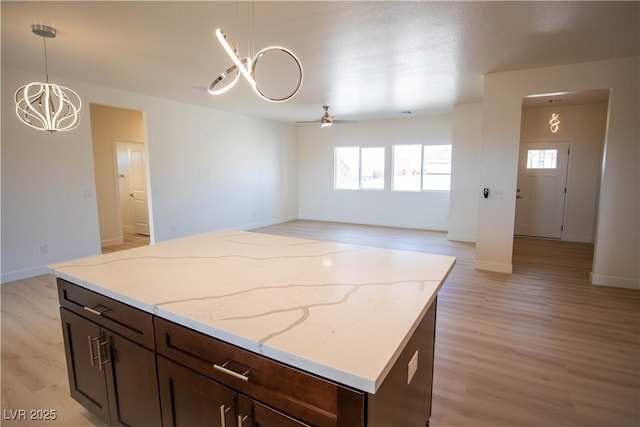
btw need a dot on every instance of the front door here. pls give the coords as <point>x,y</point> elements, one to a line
<point>541,191</point>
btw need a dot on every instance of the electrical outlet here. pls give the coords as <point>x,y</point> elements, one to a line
<point>412,368</point>
<point>43,249</point>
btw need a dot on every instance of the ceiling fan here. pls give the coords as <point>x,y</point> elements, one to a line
<point>327,119</point>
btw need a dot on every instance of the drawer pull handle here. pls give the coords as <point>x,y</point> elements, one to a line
<point>96,309</point>
<point>223,413</point>
<point>223,368</point>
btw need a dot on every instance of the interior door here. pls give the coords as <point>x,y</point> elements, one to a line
<point>138,184</point>
<point>541,191</point>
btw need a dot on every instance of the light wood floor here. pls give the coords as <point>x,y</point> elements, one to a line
<point>131,240</point>
<point>541,347</point>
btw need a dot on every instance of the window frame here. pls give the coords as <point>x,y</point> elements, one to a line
<point>422,170</point>
<point>359,176</point>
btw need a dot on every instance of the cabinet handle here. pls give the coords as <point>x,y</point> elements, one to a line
<point>92,355</point>
<point>96,309</point>
<point>102,362</point>
<point>223,413</point>
<point>223,368</point>
<point>241,420</point>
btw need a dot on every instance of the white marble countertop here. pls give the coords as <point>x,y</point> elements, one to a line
<point>340,311</point>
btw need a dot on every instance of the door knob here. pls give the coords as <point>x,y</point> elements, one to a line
<point>130,194</point>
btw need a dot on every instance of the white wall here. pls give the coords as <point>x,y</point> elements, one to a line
<point>617,248</point>
<point>318,200</point>
<point>467,149</point>
<point>584,126</point>
<point>208,170</point>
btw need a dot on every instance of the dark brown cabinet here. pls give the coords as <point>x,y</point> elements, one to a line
<point>281,388</point>
<point>255,414</point>
<point>112,376</point>
<point>134,369</point>
<point>86,381</point>
<point>190,399</point>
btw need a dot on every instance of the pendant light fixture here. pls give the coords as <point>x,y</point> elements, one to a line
<point>554,123</point>
<point>247,66</point>
<point>47,106</point>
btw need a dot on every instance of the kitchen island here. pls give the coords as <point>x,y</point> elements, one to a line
<point>241,328</point>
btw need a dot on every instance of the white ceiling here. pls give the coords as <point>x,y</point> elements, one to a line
<point>367,60</point>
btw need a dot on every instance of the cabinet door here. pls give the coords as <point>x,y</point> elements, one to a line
<point>86,380</point>
<point>255,414</point>
<point>132,382</point>
<point>191,400</point>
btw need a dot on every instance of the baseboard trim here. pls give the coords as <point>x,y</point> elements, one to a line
<point>265,223</point>
<point>111,242</point>
<point>393,224</point>
<point>577,238</point>
<point>494,266</point>
<point>616,282</point>
<point>24,274</point>
<point>461,238</point>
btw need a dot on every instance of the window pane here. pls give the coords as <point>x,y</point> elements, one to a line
<point>406,167</point>
<point>436,167</point>
<point>542,159</point>
<point>372,173</point>
<point>347,167</point>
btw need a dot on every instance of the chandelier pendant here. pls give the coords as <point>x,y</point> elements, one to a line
<point>47,106</point>
<point>247,67</point>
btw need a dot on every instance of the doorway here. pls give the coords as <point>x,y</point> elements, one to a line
<point>541,189</point>
<point>560,160</point>
<point>118,137</point>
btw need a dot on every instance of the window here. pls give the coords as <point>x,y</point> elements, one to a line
<point>406,167</point>
<point>436,167</point>
<point>542,159</point>
<point>372,168</point>
<point>359,168</point>
<point>421,167</point>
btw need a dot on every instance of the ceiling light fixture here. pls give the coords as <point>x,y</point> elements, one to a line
<point>247,67</point>
<point>554,123</point>
<point>47,106</point>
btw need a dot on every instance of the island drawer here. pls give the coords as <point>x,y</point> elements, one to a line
<point>121,318</point>
<point>302,395</point>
